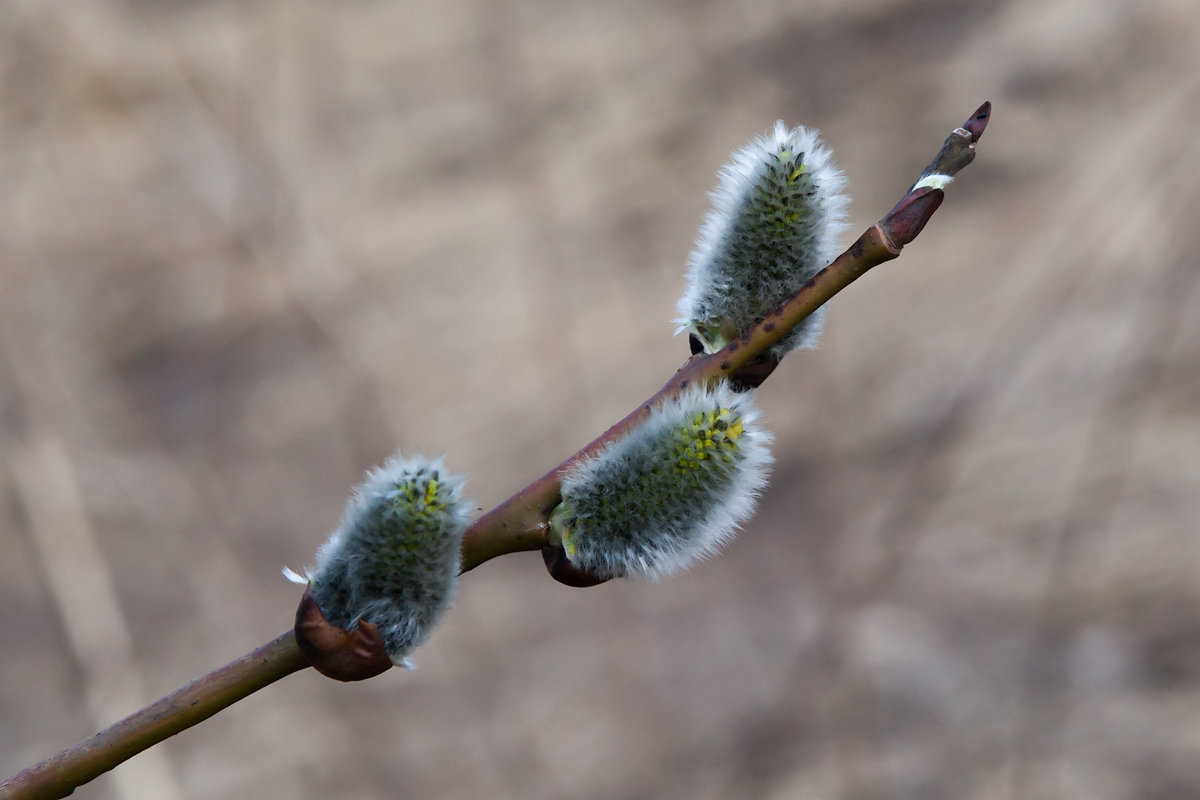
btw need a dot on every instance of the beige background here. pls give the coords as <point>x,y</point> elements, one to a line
<point>248,249</point>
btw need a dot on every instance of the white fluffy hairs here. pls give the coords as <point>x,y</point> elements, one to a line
<point>673,491</point>
<point>778,212</point>
<point>394,558</point>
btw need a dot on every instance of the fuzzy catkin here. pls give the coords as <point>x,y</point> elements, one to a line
<point>394,558</point>
<point>673,491</point>
<point>778,213</point>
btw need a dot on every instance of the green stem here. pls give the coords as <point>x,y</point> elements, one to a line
<point>81,762</point>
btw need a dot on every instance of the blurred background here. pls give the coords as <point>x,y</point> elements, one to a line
<point>247,250</point>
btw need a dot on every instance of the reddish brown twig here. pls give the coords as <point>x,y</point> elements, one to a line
<point>59,775</point>
<point>518,524</point>
<point>521,522</point>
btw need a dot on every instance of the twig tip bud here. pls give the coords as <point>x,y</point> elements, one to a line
<point>978,121</point>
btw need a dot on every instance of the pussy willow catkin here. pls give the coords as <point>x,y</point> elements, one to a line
<point>672,491</point>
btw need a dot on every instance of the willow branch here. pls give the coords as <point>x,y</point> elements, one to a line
<point>59,775</point>
<point>522,522</point>
<point>519,524</point>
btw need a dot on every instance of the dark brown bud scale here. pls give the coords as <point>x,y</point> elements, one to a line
<point>566,573</point>
<point>344,655</point>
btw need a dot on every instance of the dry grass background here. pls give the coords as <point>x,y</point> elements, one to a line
<point>248,249</point>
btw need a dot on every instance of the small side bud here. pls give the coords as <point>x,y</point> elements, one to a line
<point>673,491</point>
<point>778,213</point>
<point>390,568</point>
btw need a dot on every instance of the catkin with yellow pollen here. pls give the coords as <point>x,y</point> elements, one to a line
<point>393,561</point>
<point>777,215</point>
<point>672,491</point>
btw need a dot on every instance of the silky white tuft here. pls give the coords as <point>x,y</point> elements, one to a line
<point>778,213</point>
<point>393,560</point>
<point>934,180</point>
<point>673,491</point>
